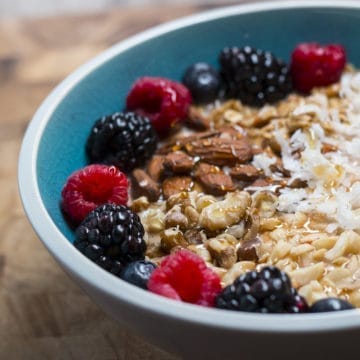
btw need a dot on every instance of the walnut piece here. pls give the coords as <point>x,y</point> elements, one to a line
<point>171,238</point>
<point>227,212</point>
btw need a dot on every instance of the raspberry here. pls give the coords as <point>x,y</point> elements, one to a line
<point>163,101</point>
<point>92,186</point>
<point>254,76</point>
<point>314,65</point>
<point>126,140</point>
<point>111,236</point>
<point>267,291</point>
<point>184,276</point>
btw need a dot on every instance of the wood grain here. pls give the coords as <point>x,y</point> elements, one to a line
<point>43,314</point>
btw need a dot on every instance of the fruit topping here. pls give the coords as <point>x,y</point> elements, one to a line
<point>126,140</point>
<point>203,81</point>
<point>254,76</point>
<point>184,276</point>
<point>314,65</point>
<point>330,304</point>
<point>92,186</point>
<point>138,272</point>
<point>267,291</point>
<point>163,101</point>
<point>111,236</point>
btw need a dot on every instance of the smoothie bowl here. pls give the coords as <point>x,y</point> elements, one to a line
<point>207,195</point>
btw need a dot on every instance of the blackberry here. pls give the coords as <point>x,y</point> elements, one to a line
<point>126,140</point>
<point>203,81</point>
<point>254,76</point>
<point>111,236</point>
<point>267,291</point>
<point>138,272</point>
<point>330,304</point>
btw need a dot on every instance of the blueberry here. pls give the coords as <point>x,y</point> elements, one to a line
<point>203,81</point>
<point>138,272</point>
<point>330,304</point>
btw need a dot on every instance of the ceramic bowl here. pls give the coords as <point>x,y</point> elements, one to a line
<point>53,148</point>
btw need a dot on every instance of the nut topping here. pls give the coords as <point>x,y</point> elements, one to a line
<point>197,119</point>
<point>175,185</point>
<point>221,151</point>
<point>144,185</point>
<point>214,180</point>
<point>155,167</point>
<point>245,172</point>
<point>178,162</point>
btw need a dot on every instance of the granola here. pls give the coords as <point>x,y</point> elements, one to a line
<point>279,185</point>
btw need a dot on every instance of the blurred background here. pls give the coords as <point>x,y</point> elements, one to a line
<point>26,8</point>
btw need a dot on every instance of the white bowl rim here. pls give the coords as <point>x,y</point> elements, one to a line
<point>91,274</point>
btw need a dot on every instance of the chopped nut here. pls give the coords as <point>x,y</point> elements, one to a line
<point>171,238</point>
<point>175,185</point>
<point>227,212</point>
<point>197,119</point>
<point>231,132</point>
<point>247,250</point>
<point>297,184</point>
<point>179,142</point>
<point>203,201</point>
<point>301,249</point>
<point>221,151</point>
<point>237,230</point>
<point>326,148</point>
<point>153,220</point>
<point>183,199</point>
<point>236,270</point>
<point>252,224</point>
<point>222,249</point>
<point>349,241</point>
<point>260,183</point>
<point>202,251</point>
<point>178,162</point>
<point>304,275</point>
<point>192,215</point>
<point>265,115</point>
<point>175,218</point>
<point>155,167</point>
<point>269,224</point>
<point>140,204</point>
<point>245,172</point>
<point>266,203</point>
<point>214,180</point>
<point>194,236</point>
<point>144,185</point>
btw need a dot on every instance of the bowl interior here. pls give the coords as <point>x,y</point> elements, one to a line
<point>103,91</point>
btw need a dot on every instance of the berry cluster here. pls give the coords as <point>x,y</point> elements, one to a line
<point>95,197</point>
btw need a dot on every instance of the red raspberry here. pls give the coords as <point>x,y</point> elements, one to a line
<point>91,187</point>
<point>184,276</point>
<point>163,101</point>
<point>314,65</point>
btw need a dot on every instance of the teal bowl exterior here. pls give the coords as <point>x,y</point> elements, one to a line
<point>54,147</point>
